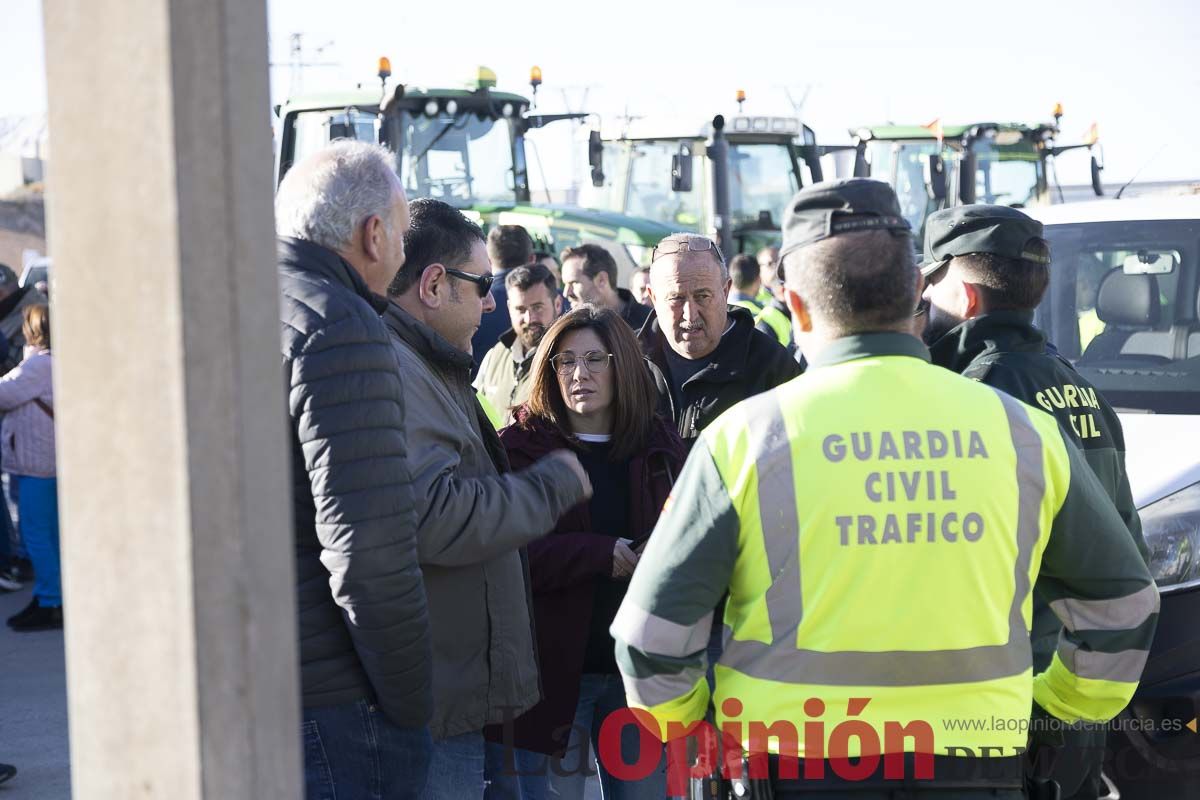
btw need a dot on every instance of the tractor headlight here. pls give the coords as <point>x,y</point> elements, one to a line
<point>1172,530</point>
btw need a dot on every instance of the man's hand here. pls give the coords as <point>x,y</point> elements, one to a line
<point>624,559</point>
<point>570,461</point>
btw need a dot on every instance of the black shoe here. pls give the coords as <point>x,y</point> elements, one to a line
<point>6,772</point>
<point>40,619</point>
<point>24,612</point>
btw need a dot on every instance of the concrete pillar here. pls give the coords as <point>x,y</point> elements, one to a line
<point>174,485</point>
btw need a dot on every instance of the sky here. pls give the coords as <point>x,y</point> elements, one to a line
<point>1129,67</point>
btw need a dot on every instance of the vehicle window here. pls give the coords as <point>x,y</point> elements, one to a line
<point>903,164</point>
<point>460,159</point>
<point>1122,305</point>
<point>761,179</point>
<point>649,193</point>
<point>1006,175</point>
<point>314,129</point>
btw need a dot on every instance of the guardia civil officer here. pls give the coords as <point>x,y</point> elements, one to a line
<point>986,269</point>
<point>879,525</point>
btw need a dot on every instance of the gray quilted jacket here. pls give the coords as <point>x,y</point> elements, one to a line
<point>364,625</point>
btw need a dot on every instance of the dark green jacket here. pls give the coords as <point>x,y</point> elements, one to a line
<point>1004,350</point>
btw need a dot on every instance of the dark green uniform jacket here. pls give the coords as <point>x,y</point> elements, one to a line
<point>1004,350</point>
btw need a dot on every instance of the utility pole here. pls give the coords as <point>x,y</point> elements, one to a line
<point>572,109</point>
<point>299,60</point>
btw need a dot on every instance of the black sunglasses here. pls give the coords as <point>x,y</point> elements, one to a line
<point>483,283</point>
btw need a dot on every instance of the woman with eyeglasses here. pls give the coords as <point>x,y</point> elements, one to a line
<point>591,392</point>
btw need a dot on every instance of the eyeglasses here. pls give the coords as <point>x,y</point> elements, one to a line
<point>922,308</point>
<point>692,244</point>
<point>483,283</point>
<point>594,360</point>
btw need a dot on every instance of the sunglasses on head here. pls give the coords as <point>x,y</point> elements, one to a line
<point>692,244</point>
<point>483,283</point>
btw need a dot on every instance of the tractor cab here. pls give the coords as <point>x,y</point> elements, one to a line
<point>934,166</point>
<point>465,147</point>
<point>729,180</point>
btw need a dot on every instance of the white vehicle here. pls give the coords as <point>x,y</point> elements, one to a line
<point>1124,306</point>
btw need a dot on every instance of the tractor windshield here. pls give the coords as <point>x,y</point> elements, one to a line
<point>904,165</point>
<point>1007,175</point>
<point>761,179</point>
<point>461,159</point>
<point>649,193</point>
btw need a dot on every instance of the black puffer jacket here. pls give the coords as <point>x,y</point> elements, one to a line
<point>364,625</point>
<point>746,362</point>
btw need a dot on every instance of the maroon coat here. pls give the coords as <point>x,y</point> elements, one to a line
<point>565,564</point>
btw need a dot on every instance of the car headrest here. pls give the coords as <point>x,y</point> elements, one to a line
<point>1130,300</point>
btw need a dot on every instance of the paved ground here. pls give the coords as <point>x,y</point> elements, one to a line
<point>33,709</point>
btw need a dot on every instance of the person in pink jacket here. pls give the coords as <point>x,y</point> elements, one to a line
<point>27,454</point>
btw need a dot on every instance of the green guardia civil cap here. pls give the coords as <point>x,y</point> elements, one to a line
<point>998,230</point>
<point>829,208</point>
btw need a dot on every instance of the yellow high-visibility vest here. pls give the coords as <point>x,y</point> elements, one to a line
<point>879,524</point>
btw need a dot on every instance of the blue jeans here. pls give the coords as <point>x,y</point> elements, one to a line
<point>354,752</point>
<point>456,769</point>
<point>599,696</point>
<point>38,508</point>
<point>514,774</point>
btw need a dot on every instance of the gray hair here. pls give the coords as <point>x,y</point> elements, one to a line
<point>686,239</point>
<point>329,194</point>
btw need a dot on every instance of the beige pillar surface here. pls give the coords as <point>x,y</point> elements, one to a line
<point>178,572</point>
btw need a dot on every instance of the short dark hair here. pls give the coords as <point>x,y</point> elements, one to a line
<point>438,234</point>
<point>634,394</point>
<point>509,246</point>
<point>595,260</point>
<point>525,278</point>
<point>1015,284</point>
<point>743,269</point>
<point>538,255</point>
<point>856,282</point>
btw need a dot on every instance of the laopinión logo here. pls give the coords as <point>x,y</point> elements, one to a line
<point>721,750</point>
<point>699,750</point>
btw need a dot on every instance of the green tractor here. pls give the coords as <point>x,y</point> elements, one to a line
<point>465,147</point>
<point>934,166</point>
<point>730,181</point>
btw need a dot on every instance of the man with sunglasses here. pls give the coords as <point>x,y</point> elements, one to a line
<point>705,356</point>
<point>474,516</point>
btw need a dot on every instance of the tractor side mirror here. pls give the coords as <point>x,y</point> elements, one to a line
<point>681,169</point>
<point>966,179</point>
<point>1097,168</point>
<point>862,169</point>
<point>341,128</point>
<point>935,177</point>
<point>596,158</point>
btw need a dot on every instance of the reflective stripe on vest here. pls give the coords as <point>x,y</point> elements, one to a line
<point>779,323</point>
<point>750,306</point>
<point>781,661</point>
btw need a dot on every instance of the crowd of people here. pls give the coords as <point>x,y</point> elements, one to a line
<point>29,546</point>
<point>492,483</point>
<point>529,501</point>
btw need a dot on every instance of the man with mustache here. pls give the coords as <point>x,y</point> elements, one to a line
<point>705,355</point>
<point>533,305</point>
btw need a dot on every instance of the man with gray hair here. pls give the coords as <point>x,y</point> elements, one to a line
<point>365,662</point>
<point>705,356</point>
